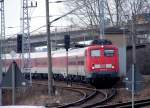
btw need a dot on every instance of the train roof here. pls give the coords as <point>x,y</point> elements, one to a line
<point>57,53</point>
<point>60,52</point>
<point>32,55</point>
<point>80,51</point>
<point>103,46</point>
<point>93,42</point>
<point>71,52</point>
<point>101,42</point>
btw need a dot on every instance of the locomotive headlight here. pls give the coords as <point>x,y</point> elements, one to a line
<point>93,67</point>
<point>113,67</point>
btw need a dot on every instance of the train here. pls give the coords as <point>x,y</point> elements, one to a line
<point>90,63</point>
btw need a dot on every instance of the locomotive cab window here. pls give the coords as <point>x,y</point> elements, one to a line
<point>95,53</point>
<point>109,52</point>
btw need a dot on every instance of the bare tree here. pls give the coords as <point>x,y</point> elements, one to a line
<point>135,7</point>
<point>88,14</point>
<point>115,10</point>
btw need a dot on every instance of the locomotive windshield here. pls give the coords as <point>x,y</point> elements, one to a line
<point>108,52</point>
<point>95,53</point>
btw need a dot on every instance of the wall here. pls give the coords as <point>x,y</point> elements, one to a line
<point>120,41</point>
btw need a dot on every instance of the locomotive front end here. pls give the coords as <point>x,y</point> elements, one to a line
<point>102,63</point>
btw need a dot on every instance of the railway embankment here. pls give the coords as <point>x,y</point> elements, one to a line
<point>37,95</point>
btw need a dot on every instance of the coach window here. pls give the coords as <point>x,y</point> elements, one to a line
<point>108,52</point>
<point>95,53</point>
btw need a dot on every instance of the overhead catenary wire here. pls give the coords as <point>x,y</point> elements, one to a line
<point>79,7</point>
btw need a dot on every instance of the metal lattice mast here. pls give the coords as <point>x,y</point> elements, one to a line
<point>101,4</point>
<point>3,33</point>
<point>26,61</point>
<point>2,45</point>
<point>2,21</point>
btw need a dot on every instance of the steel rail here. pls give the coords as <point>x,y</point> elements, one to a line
<point>78,102</point>
<point>75,89</point>
<point>75,102</point>
<point>138,103</point>
<point>81,101</point>
<point>69,104</point>
<point>106,99</point>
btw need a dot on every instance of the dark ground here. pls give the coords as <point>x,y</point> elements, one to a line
<point>37,95</point>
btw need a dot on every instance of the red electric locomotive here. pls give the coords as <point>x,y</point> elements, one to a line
<point>102,62</point>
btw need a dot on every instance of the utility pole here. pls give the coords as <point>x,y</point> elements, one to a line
<point>13,84</point>
<point>2,45</point>
<point>117,11</point>
<point>111,16</point>
<point>50,74</point>
<point>48,23</point>
<point>133,57</point>
<point>67,46</point>
<point>26,60</point>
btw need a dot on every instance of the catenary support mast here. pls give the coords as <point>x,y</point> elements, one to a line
<point>26,59</point>
<point>26,62</point>
<point>101,4</point>
<point>2,45</point>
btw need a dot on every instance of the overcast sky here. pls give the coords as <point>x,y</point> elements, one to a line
<point>13,13</point>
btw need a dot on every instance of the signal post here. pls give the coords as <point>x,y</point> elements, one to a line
<point>67,46</point>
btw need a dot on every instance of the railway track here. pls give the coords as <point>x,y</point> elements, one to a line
<point>82,100</point>
<point>92,102</point>
<point>85,92</point>
<point>108,97</point>
<point>88,93</point>
<point>138,104</point>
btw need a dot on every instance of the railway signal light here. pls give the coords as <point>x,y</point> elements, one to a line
<point>19,43</point>
<point>67,42</point>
